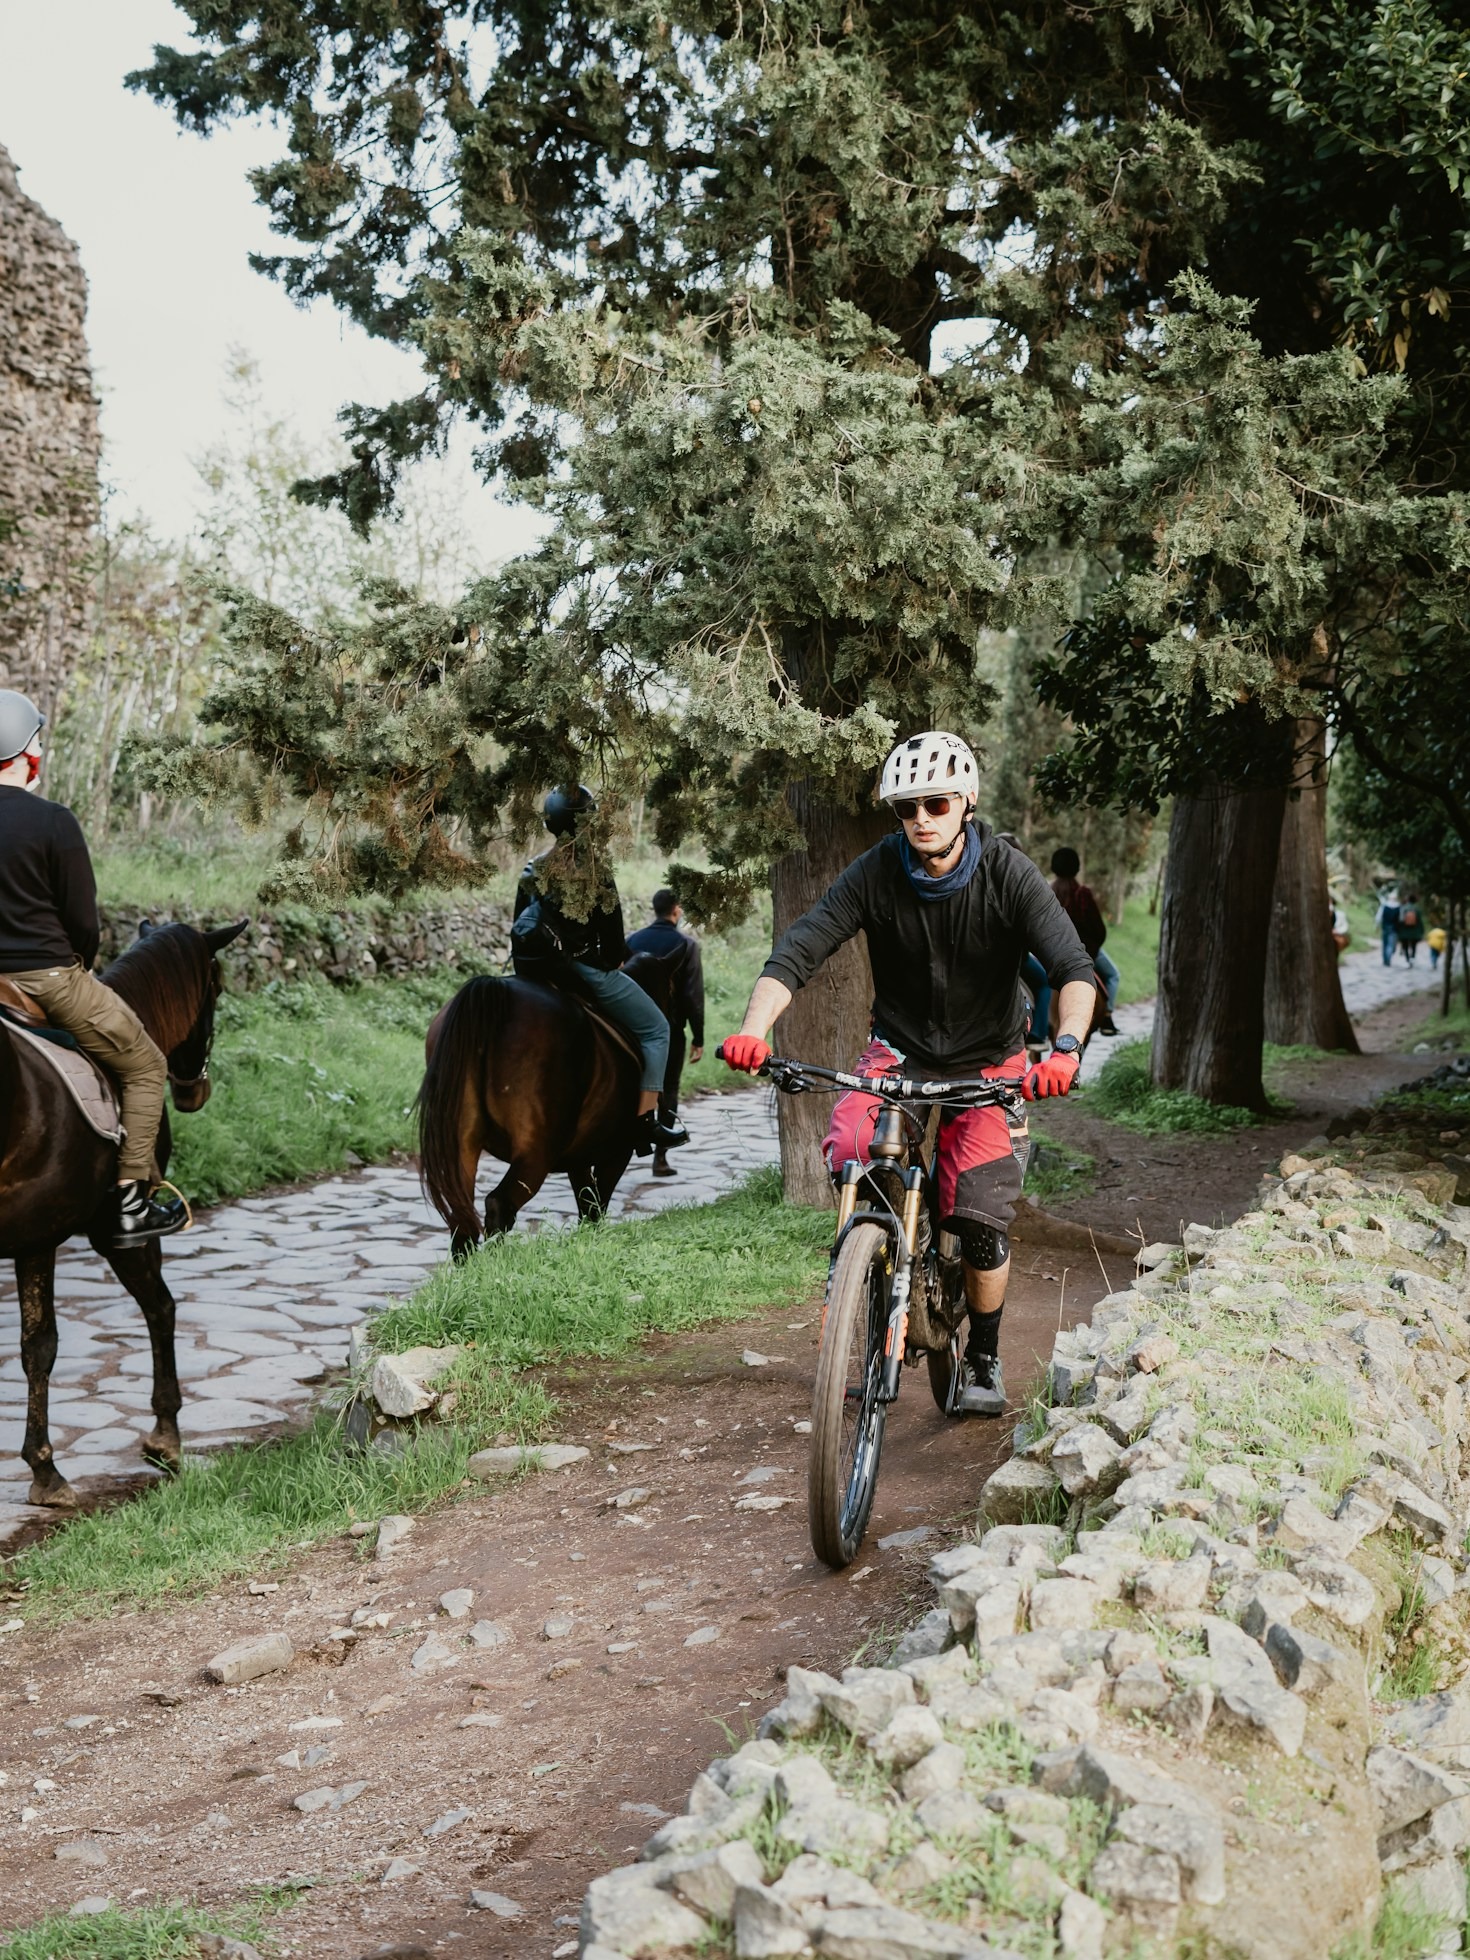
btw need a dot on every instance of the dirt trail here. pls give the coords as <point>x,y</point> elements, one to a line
<point>179,1783</point>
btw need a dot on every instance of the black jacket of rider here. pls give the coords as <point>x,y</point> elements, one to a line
<point>48,895</point>
<point>946,972</point>
<point>598,940</point>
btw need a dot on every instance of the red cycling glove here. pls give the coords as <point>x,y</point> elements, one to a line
<point>745,1051</point>
<point>1053,1077</point>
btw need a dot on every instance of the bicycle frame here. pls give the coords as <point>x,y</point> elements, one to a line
<point>890,1143</point>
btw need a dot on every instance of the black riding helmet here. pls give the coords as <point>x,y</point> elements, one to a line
<point>562,808</point>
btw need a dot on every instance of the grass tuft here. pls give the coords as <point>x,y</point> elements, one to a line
<point>171,1931</point>
<point>1124,1094</point>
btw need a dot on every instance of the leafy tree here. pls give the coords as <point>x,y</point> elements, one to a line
<point>686,266</point>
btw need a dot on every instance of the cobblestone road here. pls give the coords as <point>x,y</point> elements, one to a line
<point>267,1289</point>
<point>1366,983</point>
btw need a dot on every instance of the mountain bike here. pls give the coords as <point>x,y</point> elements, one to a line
<point>895,1288</point>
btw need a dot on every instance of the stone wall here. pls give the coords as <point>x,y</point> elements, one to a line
<point>293,942</point>
<point>1200,1681</point>
<point>49,448</point>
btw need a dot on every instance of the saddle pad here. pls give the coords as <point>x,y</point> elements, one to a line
<point>87,1086</point>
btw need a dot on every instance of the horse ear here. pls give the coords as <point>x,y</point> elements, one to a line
<point>217,940</point>
<point>145,926</point>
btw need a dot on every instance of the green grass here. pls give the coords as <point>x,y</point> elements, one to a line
<point>305,1073</point>
<point>151,1932</point>
<point>525,1301</point>
<point>1057,1171</point>
<point>1439,1026</point>
<point>1123,1094</point>
<point>1134,947</point>
<point>1400,1932</point>
<point>591,1291</point>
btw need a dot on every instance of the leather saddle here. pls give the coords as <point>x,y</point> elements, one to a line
<point>20,1005</point>
<point>22,1012</point>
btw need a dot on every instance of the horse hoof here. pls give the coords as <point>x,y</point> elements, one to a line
<point>58,1494</point>
<point>162,1452</point>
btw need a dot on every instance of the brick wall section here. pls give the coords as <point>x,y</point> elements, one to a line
<point>49,447</point>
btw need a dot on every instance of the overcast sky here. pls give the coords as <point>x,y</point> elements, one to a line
<point>165,222</point>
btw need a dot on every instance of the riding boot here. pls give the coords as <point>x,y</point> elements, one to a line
<point>141,1217</point>
<point>661,1165</point>
<point>671,1133</point>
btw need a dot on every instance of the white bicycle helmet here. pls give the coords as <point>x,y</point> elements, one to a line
<point>928,765</point>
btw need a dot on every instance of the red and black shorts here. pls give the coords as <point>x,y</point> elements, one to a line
<point>980,1157</point>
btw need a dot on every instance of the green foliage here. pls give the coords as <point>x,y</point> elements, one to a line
<point>1402,1931</point>
<point>152,1932</point>
<point>1124,1093</point>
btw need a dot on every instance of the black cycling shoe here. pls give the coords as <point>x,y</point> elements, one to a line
<point>141,1217</point>
<point>982,1388</point>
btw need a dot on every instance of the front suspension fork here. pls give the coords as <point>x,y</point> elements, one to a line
<point>899,1291</point>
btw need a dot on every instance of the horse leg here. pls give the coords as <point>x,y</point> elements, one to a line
<point>524,1177</point>
<point>140,1268</point>
<point>596,1182</point>
<point>35,1276</point>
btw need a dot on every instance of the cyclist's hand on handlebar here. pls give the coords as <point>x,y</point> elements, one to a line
<point>1053,1077</point>
<point>746,1052</point>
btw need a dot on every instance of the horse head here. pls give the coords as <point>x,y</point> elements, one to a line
<point>173,987</point>
<point>655,974</point>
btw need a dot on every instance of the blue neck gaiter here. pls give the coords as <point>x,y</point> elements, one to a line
<point>951,881</point>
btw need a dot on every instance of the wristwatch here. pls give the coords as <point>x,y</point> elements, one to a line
<point>1066,1044</point>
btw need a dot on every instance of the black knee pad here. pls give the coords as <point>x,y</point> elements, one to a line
<point>984,1247</point>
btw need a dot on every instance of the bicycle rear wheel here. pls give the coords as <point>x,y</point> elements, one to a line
<point>847,1416</point>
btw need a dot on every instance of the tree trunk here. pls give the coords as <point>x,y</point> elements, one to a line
<point>828,1020</point>
<point>1303,987</point>
<point>1447,978</point>
<point>1209,1023</point>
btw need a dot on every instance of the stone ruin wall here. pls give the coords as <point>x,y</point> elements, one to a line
<point>49,448</point>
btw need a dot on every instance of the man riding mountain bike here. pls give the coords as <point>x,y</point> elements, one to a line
<point>950,912</point>
<point>48,941</point>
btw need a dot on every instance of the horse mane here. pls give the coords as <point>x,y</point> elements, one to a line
<point>163,976</point>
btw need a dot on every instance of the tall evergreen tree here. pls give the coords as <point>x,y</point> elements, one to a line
<point>686,266</point>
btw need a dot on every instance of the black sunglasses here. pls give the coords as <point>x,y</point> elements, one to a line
<point>933,806</point>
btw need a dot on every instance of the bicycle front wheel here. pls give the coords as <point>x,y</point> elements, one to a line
<point>847,1415</point>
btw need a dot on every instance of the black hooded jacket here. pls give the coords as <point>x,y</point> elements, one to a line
<point>946,972</point>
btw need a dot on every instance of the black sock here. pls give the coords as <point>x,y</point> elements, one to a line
<point>985,1334</point>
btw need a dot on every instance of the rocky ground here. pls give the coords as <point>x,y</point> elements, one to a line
<point>127,1774</point>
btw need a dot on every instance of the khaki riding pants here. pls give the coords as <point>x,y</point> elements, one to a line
<point>108,1030</point>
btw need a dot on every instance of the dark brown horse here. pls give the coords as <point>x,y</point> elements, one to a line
<point>524,1072</point>
<point>57,1177</point>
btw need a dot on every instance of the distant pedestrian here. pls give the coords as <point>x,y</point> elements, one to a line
<point>1388,922</point>
<point>1410,929</point>
<point>1436,940</point>
<point>662,937</point>
<point>1082,908</point>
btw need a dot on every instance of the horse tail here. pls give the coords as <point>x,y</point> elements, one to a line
<point>449,1095</point>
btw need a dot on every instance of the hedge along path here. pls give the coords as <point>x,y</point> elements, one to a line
<point>269,1290</point>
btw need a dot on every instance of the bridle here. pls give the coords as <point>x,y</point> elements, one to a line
<point>175,1079</point>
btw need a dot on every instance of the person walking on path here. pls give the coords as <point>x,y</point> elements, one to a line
<point>1388,922</point>
<point>664,940</point>
<point>550,943</point>
<point>1081,907</point>
<point>1410,929</point>
<point>1435,939</point>
<point>950,912</point>
<point>48,940</point>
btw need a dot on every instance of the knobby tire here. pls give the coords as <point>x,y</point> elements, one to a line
<point>847,1430</point>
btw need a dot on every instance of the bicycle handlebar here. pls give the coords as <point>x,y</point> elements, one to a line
<point>793,1077</point>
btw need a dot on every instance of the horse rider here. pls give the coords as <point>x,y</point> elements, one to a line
<point>595,947</point>
<point>48,941</point>
<point>950,912</point>
<point>662,938</point>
